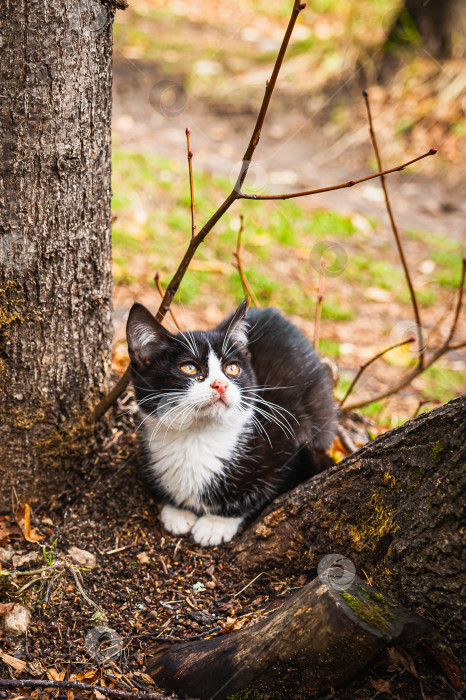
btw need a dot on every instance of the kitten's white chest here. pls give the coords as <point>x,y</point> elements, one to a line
<point>185,462</point>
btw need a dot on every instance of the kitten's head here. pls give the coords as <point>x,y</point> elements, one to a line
<point>193,377</point>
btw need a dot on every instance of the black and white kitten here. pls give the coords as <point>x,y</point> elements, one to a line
<point>230,418</point>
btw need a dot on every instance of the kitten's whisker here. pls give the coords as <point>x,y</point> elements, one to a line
<point>157,408</point>
<point>277,408</point>
<point>261,429</point>
<point>287,429</point>
<point>266,387</point>
<point>188,345</point>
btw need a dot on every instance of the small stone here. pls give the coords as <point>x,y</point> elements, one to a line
<point>210,584</point>
<point>143,558</point>
<point>16,622</point>
<point>82,557</point>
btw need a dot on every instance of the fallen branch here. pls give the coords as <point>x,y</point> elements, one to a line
<point>320,637</point>
<point>14,683</point>
<point>396,233</point>
<point>236,194</point>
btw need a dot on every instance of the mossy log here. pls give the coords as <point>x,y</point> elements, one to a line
<point>321,636</point>
<point>395,509</point>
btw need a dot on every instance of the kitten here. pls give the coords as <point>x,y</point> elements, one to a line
<point>230,418</point>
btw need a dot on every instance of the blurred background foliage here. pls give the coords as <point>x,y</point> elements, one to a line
<point>204,65</point>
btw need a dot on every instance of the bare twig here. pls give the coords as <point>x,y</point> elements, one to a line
<point>445,347</point>
<point>191,184</point>
<point>396,233</point>
<point>459,304</point>
<point>76,685</point>
<point>234,195</point>
<point>320,298</point>
<point>161,292</point>
<point>421,403</point>
<point>247,289</point>
<point>364,366</point>
<point>341,186</point>
<point>83,592</point>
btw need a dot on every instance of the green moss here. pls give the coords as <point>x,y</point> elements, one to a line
<point>370,606</point>
<point>246,695</point>
<point>437,448</point>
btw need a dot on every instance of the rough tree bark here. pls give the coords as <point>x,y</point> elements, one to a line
<point>55,228</point>
<point>395,508</point>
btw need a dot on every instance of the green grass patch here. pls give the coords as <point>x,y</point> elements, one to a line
<point>442,383</point>
<point>374,273</point>
<point>329,348</point>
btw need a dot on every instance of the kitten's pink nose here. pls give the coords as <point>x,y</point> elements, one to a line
<point>220,385</point>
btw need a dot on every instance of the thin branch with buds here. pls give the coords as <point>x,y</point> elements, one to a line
<point>444,348</point>
<point>396,233</point>
<point>341,186</point>
<point>320,298</point>
<point>247,289</point>
<point>191,184</point>
<point>234,195</point>
<point>364,366</point>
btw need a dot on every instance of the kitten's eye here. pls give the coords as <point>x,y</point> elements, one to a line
<point>188,368</point>
<point>233,369</point>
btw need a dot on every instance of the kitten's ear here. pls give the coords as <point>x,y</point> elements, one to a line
<point>144,334</point>
<point>238,327</point>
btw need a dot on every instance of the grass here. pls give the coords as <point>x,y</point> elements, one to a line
<point>150,233</point>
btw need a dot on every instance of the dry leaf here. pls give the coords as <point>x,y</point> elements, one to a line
<point>405,659</point>
<point>6,608</point>
<point>380,685</point>
<point>24,521</point>
<point>7,530</point>
<point>12,661</point>
<point>55,675</point>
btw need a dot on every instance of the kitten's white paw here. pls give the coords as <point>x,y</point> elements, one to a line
<point>177,521</point>
<point>211,530</point>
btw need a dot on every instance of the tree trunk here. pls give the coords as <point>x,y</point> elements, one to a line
<point>320,637</point>
<point>55,235</point>
<point>439,25</point>
<point>394,510</point>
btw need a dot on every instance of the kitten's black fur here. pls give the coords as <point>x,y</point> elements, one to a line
<point>288,447</point>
